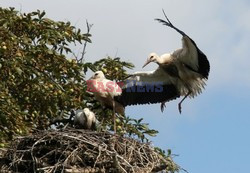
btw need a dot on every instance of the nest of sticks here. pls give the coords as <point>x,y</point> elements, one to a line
<point>73,150</point>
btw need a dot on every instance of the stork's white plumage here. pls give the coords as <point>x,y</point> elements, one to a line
<point>105,90</point>
<point>186,78</point>
<point>85,119</point>
<point>188,65</point>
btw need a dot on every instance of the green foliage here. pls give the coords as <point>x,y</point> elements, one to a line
<point>113,68</point>
<point>133,127</point>
<point>37,81</point>
<point>171,167</point>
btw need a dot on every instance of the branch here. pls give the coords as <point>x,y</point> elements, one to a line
<point>89,26</point>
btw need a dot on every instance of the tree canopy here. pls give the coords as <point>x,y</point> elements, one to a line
<point>38,82</point>
<point>42,81</point>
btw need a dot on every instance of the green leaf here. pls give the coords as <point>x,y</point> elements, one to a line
<point>19,71</point>
<point>42,14</point>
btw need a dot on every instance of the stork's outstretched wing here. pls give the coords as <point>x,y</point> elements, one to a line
<point>148,88</point>
<point>193,58</point>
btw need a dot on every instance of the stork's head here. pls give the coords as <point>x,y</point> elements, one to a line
<point>153,57</point>
<point>98,75</point>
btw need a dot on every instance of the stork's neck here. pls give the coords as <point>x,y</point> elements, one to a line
<point>101,78</point>
<point>165,59</point>
<point>159,60</point>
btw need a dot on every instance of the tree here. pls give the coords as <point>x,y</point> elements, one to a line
<point>38,82</point>
<point>40,86</point>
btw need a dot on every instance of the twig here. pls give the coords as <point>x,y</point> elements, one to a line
<point>89,26</point>
<point>32,154</point>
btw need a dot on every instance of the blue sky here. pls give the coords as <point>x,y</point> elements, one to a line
<point>212,133</point>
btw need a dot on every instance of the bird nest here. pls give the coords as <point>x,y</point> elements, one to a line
<point>72,150</point>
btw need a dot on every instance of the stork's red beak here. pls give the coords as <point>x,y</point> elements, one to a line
<point>146,63</point>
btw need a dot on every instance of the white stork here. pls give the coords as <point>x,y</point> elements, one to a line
<point>188,65</point>
<point>85,119</point>
<point>181,73</point>
<point>104,91</point>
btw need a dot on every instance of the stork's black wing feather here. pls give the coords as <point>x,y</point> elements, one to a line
<point>134,95</point>
<point>171,26</point>
<point>204,66</point>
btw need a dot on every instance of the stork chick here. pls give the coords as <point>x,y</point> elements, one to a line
<point>85,119</point>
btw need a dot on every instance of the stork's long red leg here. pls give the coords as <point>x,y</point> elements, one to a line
<point>179,105</point>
